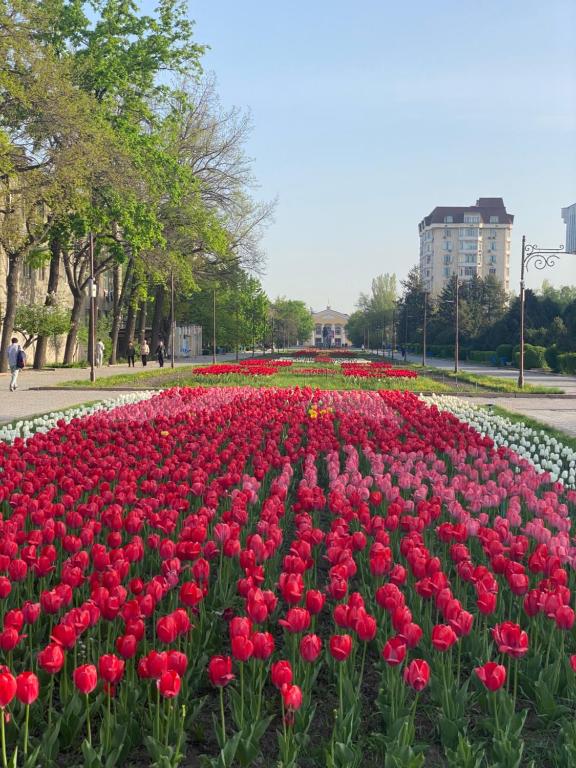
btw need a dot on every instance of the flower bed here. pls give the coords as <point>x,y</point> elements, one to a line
<point>376,371</point>
<point>546,453</point>
<point>335,576</point>
<point>228,369</point>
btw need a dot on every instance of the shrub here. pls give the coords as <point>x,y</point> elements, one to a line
<point>481,356</point>
<point>552,358</point>
<point>533,356</point>
<point>504,352</point>
<point>567,362</point>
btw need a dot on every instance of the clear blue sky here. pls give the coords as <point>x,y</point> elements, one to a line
<point>368,114</point>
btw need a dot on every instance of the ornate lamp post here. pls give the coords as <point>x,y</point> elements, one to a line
<point>424,329</point>
<point>541,258</point>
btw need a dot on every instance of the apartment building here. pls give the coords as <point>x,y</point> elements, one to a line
<point>465,241</point>
<point>569,218</point>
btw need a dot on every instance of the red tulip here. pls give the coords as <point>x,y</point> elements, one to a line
<point>281,673</point>
<point>292,696</point>
<point>27,687</point>
<point>263,643</point>
<point>220,670</point>
<point>340,647</point>
<point>51,659</point>
<point>511,639</point>
<point>417,674</point>
<point>310,647</point>
<point>111,668</point>
<point>394,651</point>
<point>7,688</point>
<point>167,629</point>
<point>443,637</point>
<point>169,684</point>
<point>565,617</point>
<point>492,675</point>
<point>573,661</point>
<point>315,601</point>
<point>242,647</point>
<point>297,620</point>
<point>85,678</point>
<point>177,662</point>
<point>127,645</point>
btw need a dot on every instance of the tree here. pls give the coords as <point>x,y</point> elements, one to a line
<point>291,321</point>
<point>34,320</point>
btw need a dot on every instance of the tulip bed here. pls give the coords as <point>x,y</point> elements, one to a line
<point>290,577</point>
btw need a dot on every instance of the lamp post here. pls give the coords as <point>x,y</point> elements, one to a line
<point>457,340</point>
<point>92,308</point>
<point>172,321</point>
<point>542,258</point>
<point>214,325</point>
<point>424,330</point>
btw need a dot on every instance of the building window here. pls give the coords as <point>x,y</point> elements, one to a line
<point>494,220</point>
<point>447,259</point>
<point>493,234</point>
<point>471,218</point>
<point>447,232</point>
<point>338,330</point>
<point>470,258</point>
<point>492,270</point>
<point>469,271</point>
<point>448,220</point>
<point>446,271</point>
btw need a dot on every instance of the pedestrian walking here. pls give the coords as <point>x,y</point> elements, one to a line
<point>144,352</point>
<point>131,353</point>
<point>160,351</point>
<point>16,361</point>
<point>99,353</point>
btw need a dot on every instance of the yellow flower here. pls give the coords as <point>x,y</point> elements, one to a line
<point>164,433</point>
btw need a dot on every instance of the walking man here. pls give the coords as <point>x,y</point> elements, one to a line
<point>160,350</point>
<point>144,352</point>
<point>16,360</point>
<point>130,353</point>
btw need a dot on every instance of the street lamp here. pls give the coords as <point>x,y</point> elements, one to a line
<point>542,258</point>
<point>172,321</point>
<point>92,308</point>
<point>457,340</point>
<point>424,329</point>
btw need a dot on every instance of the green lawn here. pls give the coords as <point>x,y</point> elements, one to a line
<point>495,383</point>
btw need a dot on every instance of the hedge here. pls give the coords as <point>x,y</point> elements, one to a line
<point>482,356</point>
<point>504,352</point>
<point>567,362</point>
<point>533,356</point>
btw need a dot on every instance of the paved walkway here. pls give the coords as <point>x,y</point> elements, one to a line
<point>557,412</point>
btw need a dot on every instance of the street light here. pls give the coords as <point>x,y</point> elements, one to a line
<point>424,330</point>
<point>457,341</point>
<point>172,321</point>
<point>542,258</point>
<point>92,308</point>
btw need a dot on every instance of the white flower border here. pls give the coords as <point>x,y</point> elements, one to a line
<point>545,453</point>
<point>25,428</point>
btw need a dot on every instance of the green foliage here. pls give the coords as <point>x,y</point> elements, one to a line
<point>33,320</point>
<point>504,352</point>
<point>292,322</point>
<point>534,357</point>
<point>567,362</point>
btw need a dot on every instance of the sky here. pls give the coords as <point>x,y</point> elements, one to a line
<point>368,114</point>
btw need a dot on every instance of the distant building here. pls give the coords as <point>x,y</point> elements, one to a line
<point>329,328</point>
<point>569,218</point>
<point>465,241</point>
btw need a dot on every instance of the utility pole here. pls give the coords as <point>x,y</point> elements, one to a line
<point>92,308</point>
<point>172,321</point>
<point>457,341</point>
<point>424,330</point>
<point>214,326</point>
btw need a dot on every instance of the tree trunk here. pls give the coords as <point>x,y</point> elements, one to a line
<point>72,338</point>
<point>159,295</point>
<point>130,320</point>
<point>14,265</point>
<point>120,294</point>
<point>142,320</point>
<point>50,301</point>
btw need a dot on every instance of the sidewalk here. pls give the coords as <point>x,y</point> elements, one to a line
<point>30,400</point>
<point>555,412</point>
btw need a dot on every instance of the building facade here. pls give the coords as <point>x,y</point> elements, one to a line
<point>569,218</point>
<point>329,329</point>
<point>465,241</point>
